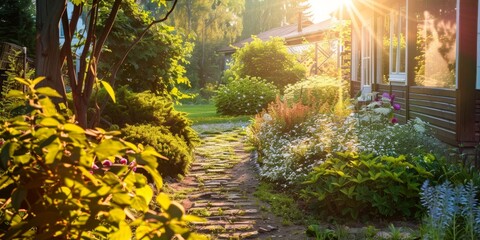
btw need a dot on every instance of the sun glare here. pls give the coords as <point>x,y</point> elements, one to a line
<point>321,9</point>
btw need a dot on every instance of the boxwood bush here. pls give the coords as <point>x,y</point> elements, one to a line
<point>244,96</point>
<point>170,145</point>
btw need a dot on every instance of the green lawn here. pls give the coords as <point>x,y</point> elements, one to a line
<point>207,114</point>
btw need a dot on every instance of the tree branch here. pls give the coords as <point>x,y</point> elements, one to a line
<point>117,66</point>
<point>97,48</point>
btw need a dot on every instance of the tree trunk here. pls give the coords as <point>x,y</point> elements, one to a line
<point>48,62</point>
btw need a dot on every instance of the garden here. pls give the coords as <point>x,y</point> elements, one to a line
<point>96,138</point>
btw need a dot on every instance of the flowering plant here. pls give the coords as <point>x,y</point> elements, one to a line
<point>380,111</point>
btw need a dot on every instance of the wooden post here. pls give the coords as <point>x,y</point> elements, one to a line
<point>466,71</point>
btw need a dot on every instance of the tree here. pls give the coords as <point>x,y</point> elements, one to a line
<point>211,24</point>
<point>50,58</point>
<point>262,15</point>
<point>17,24</point>
<point>159,61</point>
<point>268,60</point>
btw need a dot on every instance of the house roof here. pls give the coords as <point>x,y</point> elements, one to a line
<point>290,33</point>
<point>264,36</point>
<point>311,30</point>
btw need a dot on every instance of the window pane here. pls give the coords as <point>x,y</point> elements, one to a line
<point>394,42</point>
<point>436,43</point>
<point>386,48</point>
<point>403,34</point>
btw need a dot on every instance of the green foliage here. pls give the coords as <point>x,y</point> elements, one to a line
<point>157,63</point>
<point>366,186</point>
<point>147,108</point>
<point>244,96</point>
<point>9,106</point>
<point>53,187</point>
<point>281,203</point>
<point>268,60</point>
<point>172,146</point>
<point>17,18</point>
<point>319,92</point>
<point>320,233</point>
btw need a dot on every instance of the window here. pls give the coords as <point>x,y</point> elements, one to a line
<point>397,22</point>
<point>367,53</point>
<point>436,43</point>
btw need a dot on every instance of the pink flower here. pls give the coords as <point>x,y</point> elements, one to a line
<point>94,167</point>
<point>123,161</point>
<point>394,120</point>
<point>392,98</point>
<point>107,163</point>
<point>134,169</point>
<point>397,106</point>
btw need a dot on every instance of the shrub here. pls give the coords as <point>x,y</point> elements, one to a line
<point>147,108</point>
<point>412,139</point>
<point>268,60</point>
<point>318,92</point>
<point>173,147</point>
<point>363,185</point>
<point>286,117</point>
<point>59,180</point>
<point>244,96</point>
<point>286,157</point>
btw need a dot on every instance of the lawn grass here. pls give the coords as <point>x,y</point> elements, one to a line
<point>207,114</point>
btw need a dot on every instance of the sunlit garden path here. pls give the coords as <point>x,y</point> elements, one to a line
<point>220,188</point>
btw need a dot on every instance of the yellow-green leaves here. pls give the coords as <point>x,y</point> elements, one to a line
<point>109,89</point>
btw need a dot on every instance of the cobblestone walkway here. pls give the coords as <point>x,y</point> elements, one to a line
<point>220,188</point>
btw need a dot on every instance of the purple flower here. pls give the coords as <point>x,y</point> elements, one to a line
<point>396,106</point>
<point>386,95</point>
<point>107,163</point>
<point>123,161</point>
<point>394,120</point>
<point>392,98</point>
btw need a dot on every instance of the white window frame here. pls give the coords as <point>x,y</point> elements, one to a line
<point>395,75</point>
<point>367,41</point>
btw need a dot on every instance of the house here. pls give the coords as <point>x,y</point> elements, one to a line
<point>424,52</point>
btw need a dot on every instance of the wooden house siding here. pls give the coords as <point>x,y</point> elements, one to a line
<point>434,105</point>
<point>477,116</point>
<point>355,87</point>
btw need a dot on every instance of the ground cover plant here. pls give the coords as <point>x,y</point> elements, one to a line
<point>59,180</point>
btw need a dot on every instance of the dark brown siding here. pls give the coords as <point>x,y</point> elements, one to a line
<point>477,116</point>
<point>354,88</point>
<point>438,107</point>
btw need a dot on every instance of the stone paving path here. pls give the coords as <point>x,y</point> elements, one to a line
<point>220,188</point>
